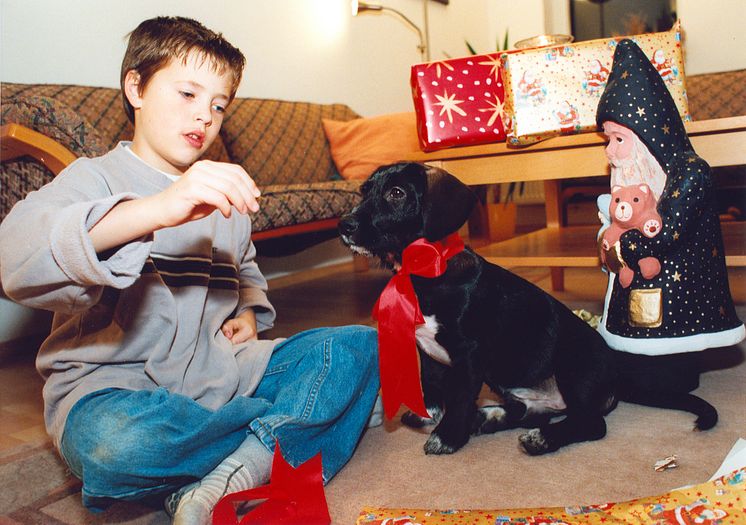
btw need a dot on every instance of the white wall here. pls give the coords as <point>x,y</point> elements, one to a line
<point>296,49</point>
<point>714,35</point>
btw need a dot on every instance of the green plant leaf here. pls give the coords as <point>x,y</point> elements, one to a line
<point>470,48</point>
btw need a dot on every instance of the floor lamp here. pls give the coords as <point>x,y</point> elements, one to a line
<point>423,47</point>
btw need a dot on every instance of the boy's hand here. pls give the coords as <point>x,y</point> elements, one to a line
<point>241,328</point>
<point>205,187</point>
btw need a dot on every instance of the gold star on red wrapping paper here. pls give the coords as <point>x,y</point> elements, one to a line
<point>448,104</point>
<point>497,108</point>
<point>494,64</point>
<point>438,70</point>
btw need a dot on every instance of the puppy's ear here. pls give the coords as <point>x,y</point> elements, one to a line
<point>447,204</point>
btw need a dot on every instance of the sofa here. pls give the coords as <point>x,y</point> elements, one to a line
<point>281,144</point>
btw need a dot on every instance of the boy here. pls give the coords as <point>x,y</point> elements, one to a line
<point>154,373</point>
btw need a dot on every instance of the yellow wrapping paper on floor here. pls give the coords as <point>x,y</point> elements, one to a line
<point>717,502</point>
<point>553,91</point>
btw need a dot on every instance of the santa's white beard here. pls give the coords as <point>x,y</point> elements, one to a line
<point>641,167</point>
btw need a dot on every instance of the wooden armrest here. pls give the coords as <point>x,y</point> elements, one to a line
<point>17,140</point>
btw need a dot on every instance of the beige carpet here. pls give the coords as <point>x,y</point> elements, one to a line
<point>390,469</point>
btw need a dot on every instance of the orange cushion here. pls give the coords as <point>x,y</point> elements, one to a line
<point>359,146</point>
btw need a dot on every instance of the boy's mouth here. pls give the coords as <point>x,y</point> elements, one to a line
<point>195,139</point>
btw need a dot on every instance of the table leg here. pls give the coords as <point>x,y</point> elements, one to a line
<point>553,210</point>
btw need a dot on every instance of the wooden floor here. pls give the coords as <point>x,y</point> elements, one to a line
<point>326,297</point>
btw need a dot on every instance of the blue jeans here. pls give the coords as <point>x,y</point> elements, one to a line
<point>316,396</point>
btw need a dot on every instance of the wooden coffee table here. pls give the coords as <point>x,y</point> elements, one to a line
<point>721,142</point>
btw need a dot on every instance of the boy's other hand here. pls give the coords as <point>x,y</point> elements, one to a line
<point>241,328</point>
<point>205,187</point>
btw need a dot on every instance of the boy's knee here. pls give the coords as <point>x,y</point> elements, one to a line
<point>113,444</point>
<point>362,344</point>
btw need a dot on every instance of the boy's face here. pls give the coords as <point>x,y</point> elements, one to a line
<point>179,113</point>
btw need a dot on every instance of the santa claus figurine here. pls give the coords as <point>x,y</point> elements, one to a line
<point>659,325</point>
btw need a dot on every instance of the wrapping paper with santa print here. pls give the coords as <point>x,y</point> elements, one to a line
<point>553,91</point>
<point>720,501</point>
<point>458,102</point>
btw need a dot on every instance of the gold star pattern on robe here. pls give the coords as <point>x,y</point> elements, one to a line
<point>633,246</point>
<point>676,277</point>
<point>625,75</point>
<point>675,236</point>
<point>666,129</point>
<point>676,194</point>
<point>640,111</point>
<point>691,159</point>
<point>448,104</point>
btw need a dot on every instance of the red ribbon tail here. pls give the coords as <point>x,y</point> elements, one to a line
<point>398,361</point>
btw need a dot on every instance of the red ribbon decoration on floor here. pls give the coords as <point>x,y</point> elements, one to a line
<point>398,314</point>
<point>295,496</point>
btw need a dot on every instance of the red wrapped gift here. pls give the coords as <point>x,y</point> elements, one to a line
<point>458,101</point>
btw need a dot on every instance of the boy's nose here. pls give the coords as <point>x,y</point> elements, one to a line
<point>204,116</point>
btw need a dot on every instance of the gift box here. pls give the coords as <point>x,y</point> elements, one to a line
<point>718,501</point>
<point>458,102</point>
<point>555,90</point>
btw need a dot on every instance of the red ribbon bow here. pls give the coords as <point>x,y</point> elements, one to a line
<point>398,314</point>
<point>294,497</point>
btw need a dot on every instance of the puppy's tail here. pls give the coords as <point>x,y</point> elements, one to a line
<point>707,415</point>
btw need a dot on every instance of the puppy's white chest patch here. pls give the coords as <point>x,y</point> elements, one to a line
<point>425,335</point>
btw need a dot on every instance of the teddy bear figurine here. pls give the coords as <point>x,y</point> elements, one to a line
<point>632,206</point>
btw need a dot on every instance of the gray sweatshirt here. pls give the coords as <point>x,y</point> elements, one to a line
<point>141,316</point>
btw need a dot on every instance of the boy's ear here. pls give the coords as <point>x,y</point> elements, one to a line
<point>132,88</point>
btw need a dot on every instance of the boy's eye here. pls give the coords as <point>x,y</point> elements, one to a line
<point>218,108</point>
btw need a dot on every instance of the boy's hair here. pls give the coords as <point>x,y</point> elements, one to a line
<point>155,42</point>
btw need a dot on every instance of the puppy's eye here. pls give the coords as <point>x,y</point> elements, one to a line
<point>396,194</point>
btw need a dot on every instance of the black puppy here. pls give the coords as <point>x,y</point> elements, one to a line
<point>484,325</point>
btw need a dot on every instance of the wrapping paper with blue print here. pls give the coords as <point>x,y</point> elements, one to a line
<point>686,306</point>
<point>554,91</point>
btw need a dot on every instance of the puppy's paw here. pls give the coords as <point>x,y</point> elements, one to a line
<point>412,420</point>
<point>434,445</point>
<point>534,443</point>
<point>490,419</point>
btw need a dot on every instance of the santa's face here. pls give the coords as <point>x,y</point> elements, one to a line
<point>659,57</point>
<point>620,142</point>
<point>595,67</point>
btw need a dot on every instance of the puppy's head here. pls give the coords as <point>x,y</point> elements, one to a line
<point>403,202</point>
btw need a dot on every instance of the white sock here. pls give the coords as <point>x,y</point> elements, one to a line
<point>247,467</point>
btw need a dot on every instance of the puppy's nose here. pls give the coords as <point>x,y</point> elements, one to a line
<point>347,225</point>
